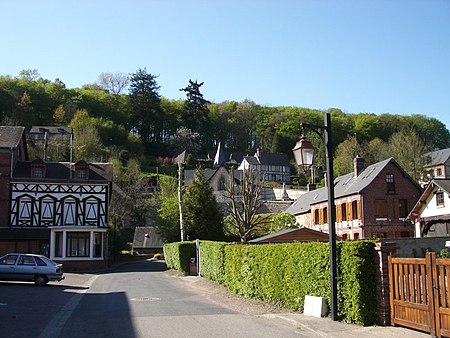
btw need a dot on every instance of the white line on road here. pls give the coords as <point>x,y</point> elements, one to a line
<point>55,326</point>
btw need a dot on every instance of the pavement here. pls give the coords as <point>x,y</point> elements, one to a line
<point>308,325</point>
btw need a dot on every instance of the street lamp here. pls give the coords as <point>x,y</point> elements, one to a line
<point>303,154</point>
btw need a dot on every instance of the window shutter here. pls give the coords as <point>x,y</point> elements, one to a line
<point>359,209</point>
<point>349,211</point>
<point>338,213</point>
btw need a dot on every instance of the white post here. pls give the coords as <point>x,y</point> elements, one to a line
<point>180,203</point>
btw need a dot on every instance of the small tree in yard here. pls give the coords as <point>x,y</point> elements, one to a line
<point>243,203</point>
<point>202,217</point>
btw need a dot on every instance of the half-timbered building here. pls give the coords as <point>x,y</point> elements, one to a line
<point>59,209</point>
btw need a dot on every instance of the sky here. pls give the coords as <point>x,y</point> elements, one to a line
<point>361,56</point>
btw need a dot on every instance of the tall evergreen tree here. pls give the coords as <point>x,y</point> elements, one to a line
<point>202,217</point>
<point>146,112</point>
<point>196,112</point>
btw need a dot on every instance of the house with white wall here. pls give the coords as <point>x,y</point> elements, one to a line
<point>431,213</point>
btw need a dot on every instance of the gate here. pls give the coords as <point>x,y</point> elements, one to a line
<point>419,293</point>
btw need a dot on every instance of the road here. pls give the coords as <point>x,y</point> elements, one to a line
<point>136,300</point>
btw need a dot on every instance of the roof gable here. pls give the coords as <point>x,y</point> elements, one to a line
<point>437,157</point>
<point>10,136</point>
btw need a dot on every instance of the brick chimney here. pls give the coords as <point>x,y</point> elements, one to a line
<point>359,164</point>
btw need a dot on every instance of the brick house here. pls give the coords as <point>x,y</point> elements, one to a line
<point>371,201</point>
<point>58,209</point>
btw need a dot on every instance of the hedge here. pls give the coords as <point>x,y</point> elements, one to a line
<point>212,259</point>
<point>178,255</point>
<point>286,273</point>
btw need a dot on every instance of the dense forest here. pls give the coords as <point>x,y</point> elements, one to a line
<point>139,123</point>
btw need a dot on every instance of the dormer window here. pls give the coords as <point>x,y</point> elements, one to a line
<point>82,170</point>
<point>38,172</point>
<point>82,174</point>
<point>38,168</point>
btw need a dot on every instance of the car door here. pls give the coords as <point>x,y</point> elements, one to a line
<point>8,266</point>
<point>26,268</point>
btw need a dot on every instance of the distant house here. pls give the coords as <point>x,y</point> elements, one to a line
<point>147,241</point>
<point>58,209</point>
<point>431,213</point>
<point>371,201</point>
<point>271,167</point>
<point>438,163</point>
<point>293,235</point>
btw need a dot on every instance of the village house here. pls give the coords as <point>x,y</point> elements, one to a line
<point>58,209</point>
<point>371,202</point>
<point>438,163</point>
<point>431,213</point>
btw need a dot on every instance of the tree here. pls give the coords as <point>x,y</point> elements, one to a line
<point>185,139</point>
<point>408,149</point>
<point>282,221</point>
<point>165,203</point>
<point>243,204</point>
<point>115,83</point>
<point>202,217</point>
<point>345,154</point>
<point>196,112</point>
<point>146,112</point>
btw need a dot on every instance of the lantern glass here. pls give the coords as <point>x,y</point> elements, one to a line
<point>303,152</point>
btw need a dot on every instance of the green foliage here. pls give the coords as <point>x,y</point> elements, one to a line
<point>286,273</point>
<point>282,221</point>
<point>202,217</point>
<point>178,255</point>
<point>444,253</point>
<point>212,258</point>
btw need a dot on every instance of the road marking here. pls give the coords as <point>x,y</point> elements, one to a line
<point>145,299</point>
<point>55,326</point>
<point>3,304</point>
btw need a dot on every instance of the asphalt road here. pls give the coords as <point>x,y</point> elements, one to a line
<point>136,300</point>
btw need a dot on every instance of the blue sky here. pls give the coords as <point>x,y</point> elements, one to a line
<point>383,56</point>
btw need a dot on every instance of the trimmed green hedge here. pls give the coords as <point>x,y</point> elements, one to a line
<point>178,255</point>
<point>286,273</point>
<point>212,259</point>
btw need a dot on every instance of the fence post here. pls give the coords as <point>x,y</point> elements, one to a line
<point>383,250</point>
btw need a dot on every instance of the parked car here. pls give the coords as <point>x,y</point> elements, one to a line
<point>29,268</point>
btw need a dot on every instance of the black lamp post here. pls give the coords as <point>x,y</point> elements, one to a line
<point>303,153</point>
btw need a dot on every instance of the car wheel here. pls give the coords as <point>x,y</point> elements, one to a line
<point>40,280</point>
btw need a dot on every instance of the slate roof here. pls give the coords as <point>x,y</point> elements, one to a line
<point>61,171</point>
<point>345,185</point>
<point>268,159</point>
<point>152,240</point>
<point>10,136</point>
<point>51,130</point>
<point>437,157</point>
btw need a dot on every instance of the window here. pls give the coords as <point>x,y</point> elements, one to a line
<point>356,235</point>
<point>438,172</point>
<point>26,260</point>
<point>9,260</point>
<point>440,199</point>
<point>344,237</point>
<point>316,216</point>
<point>82,173</point>
<point>78,244</point>
<point>380,209</point>
<point>38,172</point>
<point>325,215</point>
<point>344,211</point>
<point>97,244</point>
<point>390,183</point>
<point>40,262</point>
<point>354,210</point>
<point>58,244</point>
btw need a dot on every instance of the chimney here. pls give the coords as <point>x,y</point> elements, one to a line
<point>311,187</point>
<point>359,164</point>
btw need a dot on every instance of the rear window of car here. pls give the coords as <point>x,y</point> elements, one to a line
<point>26,260</point>
<point>40,262</point>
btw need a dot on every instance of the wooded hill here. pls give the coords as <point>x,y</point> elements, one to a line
<point>142,124</point>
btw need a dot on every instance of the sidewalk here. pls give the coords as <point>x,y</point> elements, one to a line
<point>325,327</point>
